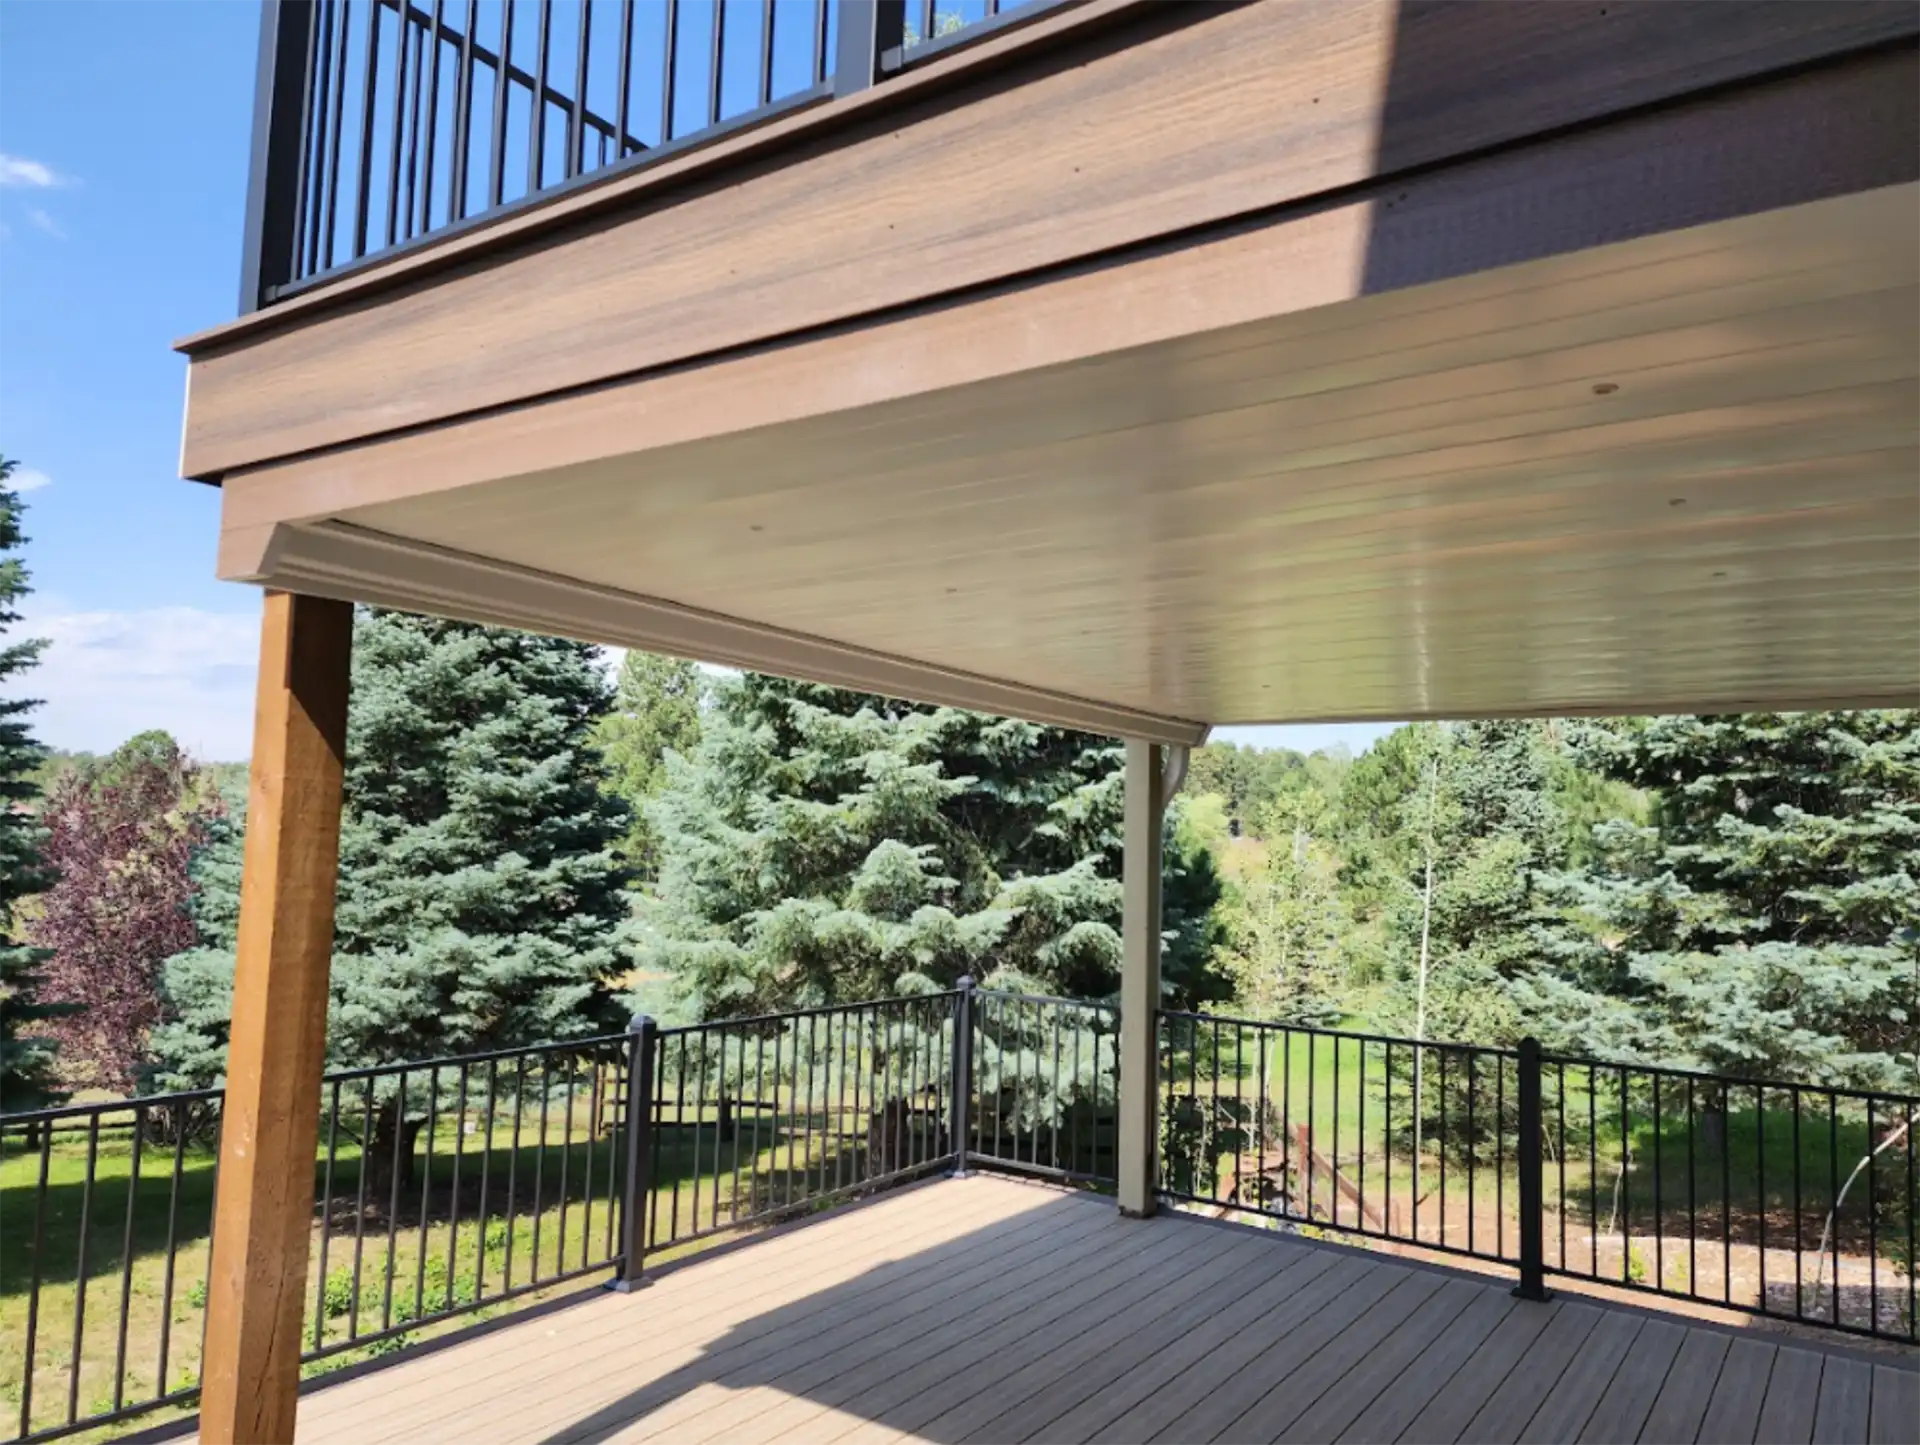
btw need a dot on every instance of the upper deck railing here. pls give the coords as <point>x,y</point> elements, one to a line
<point>380,122</point>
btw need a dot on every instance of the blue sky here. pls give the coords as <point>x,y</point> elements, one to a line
<point>123,157</point>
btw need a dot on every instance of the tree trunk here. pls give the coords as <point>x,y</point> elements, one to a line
<point>388,1160</point>
<point>1713,1121</point>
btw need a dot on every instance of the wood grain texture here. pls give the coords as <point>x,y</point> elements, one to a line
<point>1733,1414</point>
<point>1186,119</point>
<point>1793,1391</point>
<point>1271,505</point>
<point>256,1281</point>
<point>985,1308</point>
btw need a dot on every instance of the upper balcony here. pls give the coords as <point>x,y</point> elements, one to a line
<point>1127,365</point>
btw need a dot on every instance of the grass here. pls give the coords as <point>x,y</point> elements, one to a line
<point>427,1263</point>
<point>1683,1175</point>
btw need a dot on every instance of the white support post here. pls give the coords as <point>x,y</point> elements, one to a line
<point>1140,978</point>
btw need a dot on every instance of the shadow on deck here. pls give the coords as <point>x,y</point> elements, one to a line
<point>989,1309</point>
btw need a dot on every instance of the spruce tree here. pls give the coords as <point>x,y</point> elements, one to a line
<point>656,710</point>
<point>481,902</point>
<point>1763,922</point>
<point>824,845</point>
<point>26,1057</point>
<point>1462,832</point>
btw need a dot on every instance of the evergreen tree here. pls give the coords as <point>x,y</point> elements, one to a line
<point>825,845</point>
<point>1762,923</point>
<point>26,1058</point>
<point>1458,876</point>
<point>481,900</point>
<point>656,710</point>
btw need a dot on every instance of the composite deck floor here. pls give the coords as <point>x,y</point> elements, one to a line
<point>988,1309</point>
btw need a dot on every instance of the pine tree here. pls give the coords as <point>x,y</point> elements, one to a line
<point>481,900</point>
<point>1458,875</point>
<point>825,845</point>
<point>1762,923</point>
<point>656,710</point>
<point>26,1059</point>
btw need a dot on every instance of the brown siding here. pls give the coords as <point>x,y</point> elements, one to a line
<point>1137,133</point>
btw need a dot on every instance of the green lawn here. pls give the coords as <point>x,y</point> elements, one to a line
<point>1683,1173</point>
<point>429,1262</point>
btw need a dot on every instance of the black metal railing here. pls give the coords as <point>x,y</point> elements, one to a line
<point>1044,1093</point>
<point>1321,1127</point>
<point>441,1188</point>
<point>378,122</point>
<point>757,1119</point>
<point>1788,1200</point>
<point>456,1185</point>
<point>106,1211</point>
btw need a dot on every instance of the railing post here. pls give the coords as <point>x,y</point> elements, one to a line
<point>959,1114</point>
<point>1533,1216</point>
<point>642,1036</point>
<point>274,177</point>
<point>868,30</point>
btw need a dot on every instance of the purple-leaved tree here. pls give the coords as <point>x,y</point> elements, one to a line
<point>120,834</point>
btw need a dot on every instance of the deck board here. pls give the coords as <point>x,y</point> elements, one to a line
<point>1733,1414</point>
<point>1786,1416</point>
<point>991,1309</point>
<point>1577,1393</point>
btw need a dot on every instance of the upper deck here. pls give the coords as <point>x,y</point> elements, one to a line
<point>1127,365</point>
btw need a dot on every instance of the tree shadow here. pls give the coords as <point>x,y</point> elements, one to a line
<point>990,1263</point>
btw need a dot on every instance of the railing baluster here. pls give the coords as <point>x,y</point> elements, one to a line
<point>126,1258</point>
<point>513,1168</point>
<point>1833,1192</point>
<point>718,62</point>
<point>326,1215</point>
<point>1799,1244</point>
<point>1873,1232</point>
<point>80,1270</point>
<point>426,1191</point>
<point>486,1177</point>
<point>670,52</point>
<point>173,1236</point>
<point>576,114</point>
<point>453,1212</point>
<point>396,128</point>
<point>537,125</point>
<point>30,1353</point>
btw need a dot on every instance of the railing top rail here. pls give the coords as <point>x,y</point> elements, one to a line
<point>1737,1081</point>
<point>755,1020</point>
<point>449,1061</point>
<point>1047,998</point>
<point>33,1117</point>
<point>1292,1028</point>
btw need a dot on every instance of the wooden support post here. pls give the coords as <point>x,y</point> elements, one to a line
<point>256,1290</point>
<point>1140,979</point>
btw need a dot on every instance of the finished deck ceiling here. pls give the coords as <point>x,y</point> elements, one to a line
<point>1414,454</point>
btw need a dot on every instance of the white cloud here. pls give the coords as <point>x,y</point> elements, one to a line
<point>26,479</point>
<point>43,222</point>
<point>108,675</point>
<point>19,171</point>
